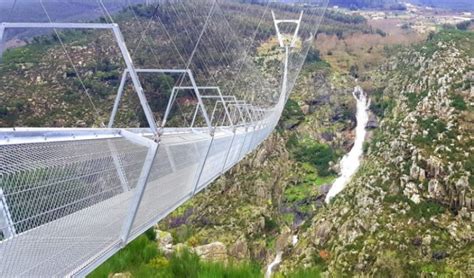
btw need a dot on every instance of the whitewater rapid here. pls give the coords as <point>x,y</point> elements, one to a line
<point>351,161</point>
<point>275,262</point>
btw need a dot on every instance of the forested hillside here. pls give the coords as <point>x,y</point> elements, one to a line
<point>408,212</point>
<point>48,91</point>
<point>361,4</point>
<point>461,5</point>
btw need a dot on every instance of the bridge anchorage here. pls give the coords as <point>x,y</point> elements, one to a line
<point>72,197</point>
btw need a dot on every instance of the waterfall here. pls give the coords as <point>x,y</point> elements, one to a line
<point>351,161</point>
<point>275,262</point>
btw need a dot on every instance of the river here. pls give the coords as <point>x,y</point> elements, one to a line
<point>351,161</point>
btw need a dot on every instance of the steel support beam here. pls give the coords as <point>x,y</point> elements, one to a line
<point>168,107</point>
<point>2,32</point>
<point>136,82</point>
<point>121,44</point>
<point>9,136</point>
<point>295,34</point>
<point>139,190</point>
<point>228,152</point>
<point>7,227</point>
<point>202,165</point>
<point>117,99</point>
<point>59,25</point>
<point>219,96</point>
<point>194,87</point>
<point>118,166</point>
<point>196,91</point>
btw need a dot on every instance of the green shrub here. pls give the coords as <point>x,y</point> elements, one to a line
<point>313,55</point>
<point>458,102</point>
<point>297,193</point>
<point>181,264</point>
<point>311,151</point>
<point>314,272</point>
<point>433,126</point>
<point>463,25</point>
<point>150,234</point>
<point>270,224</point>
<point>189,265</point>
<point>182,233</point>
<point>71,96</point>
<point>292,115</point>
<point>137,253</point>
<point>381,104</point>
<point>3,111</point>
<point>415,98</point>
<point>425,209</point>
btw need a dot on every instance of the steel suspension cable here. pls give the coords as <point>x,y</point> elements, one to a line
<point>143,37</point>
<point>325,5</point>
<point>73,66</point>
<point>11,11</point>
<point>255,71</point>
<point>192,54</point>
<point>104,9</point>
<point>252,40</point>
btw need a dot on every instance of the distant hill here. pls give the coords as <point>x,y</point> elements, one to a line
<point>58,10</point>
<point>460,5</point>
<point>362,4</point>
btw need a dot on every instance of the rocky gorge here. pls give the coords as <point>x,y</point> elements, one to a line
<point>408,209</point>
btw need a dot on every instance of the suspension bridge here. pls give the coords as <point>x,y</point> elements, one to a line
<point>72,197</point>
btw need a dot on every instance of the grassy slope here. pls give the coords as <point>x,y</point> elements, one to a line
<point>141,258</point>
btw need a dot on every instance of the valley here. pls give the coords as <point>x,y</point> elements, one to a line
<point>407,210</point>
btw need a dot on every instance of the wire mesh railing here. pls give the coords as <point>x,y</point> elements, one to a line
<point>72,197</point>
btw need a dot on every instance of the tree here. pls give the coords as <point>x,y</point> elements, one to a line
<point>463,25</point>
<point>313,55</point>
<point>354,71</point>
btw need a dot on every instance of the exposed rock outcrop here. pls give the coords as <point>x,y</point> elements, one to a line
<point>215,251</point>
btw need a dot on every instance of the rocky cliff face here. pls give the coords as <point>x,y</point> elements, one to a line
<point>409,209</point>
<point>256,207</point>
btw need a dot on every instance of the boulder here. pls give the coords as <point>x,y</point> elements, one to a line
<point>426,240</point>
<point>215,251</point>
<point>462,184</point>
<point>327,136</point>
<point>434,167</point>
<point>164,241</point>
<point>305,109</point>
<point>121,275</point>
<point>321,235</point>
<point>435,189</point>
<point>324,189</point>
<point>414,172</point>
<point>164,238</point>
<point>373,123</point>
